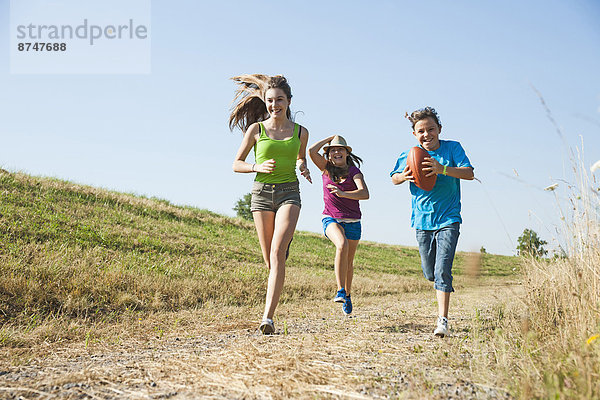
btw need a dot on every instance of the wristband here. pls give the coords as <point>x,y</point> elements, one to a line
<point>444,171</point>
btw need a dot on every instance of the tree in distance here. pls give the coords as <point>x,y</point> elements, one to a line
<point>530,244</point>
<point>242,207</point>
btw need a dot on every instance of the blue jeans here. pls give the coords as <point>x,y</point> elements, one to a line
<point>437,250</point>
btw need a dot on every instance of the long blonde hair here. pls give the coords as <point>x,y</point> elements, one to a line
<point>249,101</point>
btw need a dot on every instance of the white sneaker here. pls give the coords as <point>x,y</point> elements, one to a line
<point>267,327</point>
<point>442,327</point>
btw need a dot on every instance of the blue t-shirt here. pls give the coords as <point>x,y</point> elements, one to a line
<point>439,207</point>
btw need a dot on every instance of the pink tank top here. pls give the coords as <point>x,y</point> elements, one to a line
<point>341,207</point>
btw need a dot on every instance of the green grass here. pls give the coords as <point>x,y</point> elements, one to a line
<point>79,251</point>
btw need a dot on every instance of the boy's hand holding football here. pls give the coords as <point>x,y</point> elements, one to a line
<point>432,167</point>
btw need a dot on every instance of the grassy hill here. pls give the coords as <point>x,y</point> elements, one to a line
<point>91,267</point>
<point>68,250</point>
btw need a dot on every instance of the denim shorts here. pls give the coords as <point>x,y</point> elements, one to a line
<point>352,230</point>
<point>437,250</point>
<point>269,197</point>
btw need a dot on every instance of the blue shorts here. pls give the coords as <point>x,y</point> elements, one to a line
<point>352,230</point>
<point>437,250</point>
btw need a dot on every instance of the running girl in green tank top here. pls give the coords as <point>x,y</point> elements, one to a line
<point>262,112</point>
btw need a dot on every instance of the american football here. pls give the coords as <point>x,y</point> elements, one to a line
<point>416,156</point>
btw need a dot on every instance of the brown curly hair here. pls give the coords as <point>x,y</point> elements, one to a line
<point>249,101</point>
<point>423,113</point>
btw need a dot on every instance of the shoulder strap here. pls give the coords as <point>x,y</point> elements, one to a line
<point>261,129</point>
<point>297,128</point>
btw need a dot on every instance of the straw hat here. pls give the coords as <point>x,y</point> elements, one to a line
<point>338,141</point>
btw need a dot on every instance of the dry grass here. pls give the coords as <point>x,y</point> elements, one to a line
<point>549,345</point>
<point>385,351</point>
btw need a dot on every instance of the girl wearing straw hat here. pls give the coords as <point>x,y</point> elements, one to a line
<point>261,110</point>
<point>343,187</point>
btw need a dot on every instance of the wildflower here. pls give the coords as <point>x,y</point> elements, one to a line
<point>592,338</point>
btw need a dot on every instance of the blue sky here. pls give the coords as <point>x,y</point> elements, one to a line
<point>355,69</point>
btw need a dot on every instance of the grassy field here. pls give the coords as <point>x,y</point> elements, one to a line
<point>124,282</point>
<point>78,251</point>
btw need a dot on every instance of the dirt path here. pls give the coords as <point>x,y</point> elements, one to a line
<point>386,350</point>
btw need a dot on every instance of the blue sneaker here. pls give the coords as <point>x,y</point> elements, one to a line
<point>347,307</point>
<point>340,297</point>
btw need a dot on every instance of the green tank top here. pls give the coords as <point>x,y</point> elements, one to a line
<point>284,152</point>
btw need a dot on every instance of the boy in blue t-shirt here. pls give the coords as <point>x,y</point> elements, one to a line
<point>436,213</point>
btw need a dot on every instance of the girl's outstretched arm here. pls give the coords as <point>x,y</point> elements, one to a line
<point>317,158</point>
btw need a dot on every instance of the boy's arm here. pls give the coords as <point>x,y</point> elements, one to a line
<point>461,173</point>
<point>401,173</point>
<point>401,177</point>
<point>433,167</point>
